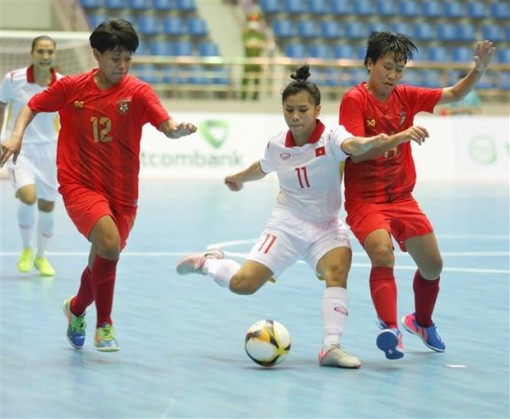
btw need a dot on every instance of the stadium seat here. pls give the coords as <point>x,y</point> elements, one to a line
<point>476,9</point>
<point>146,72</point>
<point>340,7</point>
<point>453,8</point>
<point>196,75</point>
<point>432,8</point>
<point>139,4</point>
<point>462,54</point>
<point>115,4</point>
<point>504,80</point>
<point>197,26</point>
<point>320,50</point>
<point>163,4</point>
<point>294,6</point>
<point>149,24</point>
<point>355,30</point>
<point>492,32</point>
<point>271,6</point>
<point>295,50</point>
<point>185,5</point>
<point>408,8</point>
<point>386,8</point>
<point>446,31</point>
<point>318,7</point>
<point>283,28</point>
<point>330,29</point>
<point>307,28</point>
<point>500,10</point>
<point>220,76</point>
<point>182,48</point>
<point>507,32</point>
<point>503,55</point>
<point>401,27</point>
<point>160,47</point>
<point>208,49</point>
<point>91,4</point>
<point>362,7</point>
<point>424,31</point>
<point>438,54</point>
<point>343,51</point>
<point>173,75</point>
<point>173,25</point>
<point>377,27</point>
<point>431,78</point>
<point>95,19</point>
<point>466,32</point>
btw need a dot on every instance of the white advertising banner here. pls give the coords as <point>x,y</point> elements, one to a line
<point>459,148</point>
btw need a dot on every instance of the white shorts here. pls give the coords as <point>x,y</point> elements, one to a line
<point>36,165</point>
<point>287,239</point>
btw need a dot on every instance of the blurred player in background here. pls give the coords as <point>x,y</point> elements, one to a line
<point>34,177</point>
<point>378,190</point>
<point>102,114</point>
<point>304,225</point>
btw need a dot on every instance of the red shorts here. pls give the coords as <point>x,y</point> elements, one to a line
<point>85,207</point>
<point>402,219</point>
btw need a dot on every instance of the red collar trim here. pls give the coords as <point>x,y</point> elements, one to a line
<point>31,76</point>
<point>316,135</point>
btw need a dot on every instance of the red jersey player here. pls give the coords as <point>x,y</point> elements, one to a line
<point>379,184</point>
<point>102,113</point>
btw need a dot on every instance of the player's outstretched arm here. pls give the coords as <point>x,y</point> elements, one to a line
<point>176,130</point>
<point>12,146</point>
<point>253,172</point>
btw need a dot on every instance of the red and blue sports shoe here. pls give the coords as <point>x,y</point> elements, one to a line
<point>390,341</point>
<point>428,335</point>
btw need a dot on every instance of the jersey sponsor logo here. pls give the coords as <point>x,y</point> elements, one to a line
<point>123,106</point>
<point>285,156</point>
<point>320,151</point>
<point>370,122</point>
<point>403,116</point>
<point>78,104</point>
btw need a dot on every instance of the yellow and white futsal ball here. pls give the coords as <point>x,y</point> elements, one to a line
<point>267,342</point>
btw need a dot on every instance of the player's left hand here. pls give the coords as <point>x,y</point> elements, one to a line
<point>483,55</point>
<point>182,129</point>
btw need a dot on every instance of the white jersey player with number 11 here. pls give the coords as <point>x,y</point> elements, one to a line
<point>304,224</point>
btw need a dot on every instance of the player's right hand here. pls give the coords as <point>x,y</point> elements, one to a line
<point>8,149</point>
<point>232,184</point>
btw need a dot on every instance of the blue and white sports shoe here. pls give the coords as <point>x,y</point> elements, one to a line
<point>390,341</point>
<point>76,326</point>
<point>428,335</point>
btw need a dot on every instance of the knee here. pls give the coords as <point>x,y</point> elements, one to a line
<point>336,276</point>
<point>433,270</point>
<point>382,256</point>
<point>108,247</point>
<point>245,284</point>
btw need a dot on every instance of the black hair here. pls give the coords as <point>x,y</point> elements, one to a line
<point>42,38</point>
<point>115,33</point>
<point>300,82</point>
<point>382,43</point>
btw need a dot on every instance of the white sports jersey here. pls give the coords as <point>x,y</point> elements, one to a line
<point>17,87</point>
<point>309,176</point>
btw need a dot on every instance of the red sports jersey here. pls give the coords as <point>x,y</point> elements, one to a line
<point>99,139</point>
<point>393,174</point>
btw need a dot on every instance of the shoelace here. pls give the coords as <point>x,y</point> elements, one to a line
<point>107,333</point>
<point>78,324</point>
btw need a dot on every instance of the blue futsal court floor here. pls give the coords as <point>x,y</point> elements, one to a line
<point>182,353</point>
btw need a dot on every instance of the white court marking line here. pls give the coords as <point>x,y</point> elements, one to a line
<point>456,366</point>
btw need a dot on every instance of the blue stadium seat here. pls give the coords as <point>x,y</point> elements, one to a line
<point>504,80</point>
<point>408,8</point>
<point>432,8</point>
<point>182,48</point>
<point>220,76</point>
<point>173,25</point>
<point>139,4</point>
<point>424,31</point>
<point>163,4</point>
<point>283,28</point>
<point>503,55</point>
<point>343,51</point>
<point>307,28</point>
<point>321,50</point>
<point>114,4</point>
<point>196,75</point>
<point>271,6</point>
<point>466,32</point>
<point>355,30</point>
<point>91,4</point>
<point>197,26</point>
<point>453,8</point>
<point>95,19</point>
<point>146,72</point>
<point>377,27</point>
<point>401,27</point>
<point>208,49</point>
<point>386,8</point>
<point>431,78</point>
<point>142,48</point>
<point>149,24</point>
<point>446,31</point>
<point>507,32</point>
<point>476,9</point>
<point>330,29</point>
<point>362,8</point>
<point>295,50</point>
<point>438,54</point>
<point>185,5</point>
<point>500,10</point>
<point>360,52</point>
<point>462,54</point>
<point>318,7</point>
<point>294,6</point>
<point>160,47</point>
<point>492,32</point>
<point>340,7</point>
<point>174,75</point>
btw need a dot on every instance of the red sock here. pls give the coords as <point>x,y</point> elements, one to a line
<point>103,283</point>
<point>425,297</point>
<point>384,294</point>
<point>85,297</point>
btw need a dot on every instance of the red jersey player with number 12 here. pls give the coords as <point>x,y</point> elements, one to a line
<point>102,114</point>
<point>379,184</point>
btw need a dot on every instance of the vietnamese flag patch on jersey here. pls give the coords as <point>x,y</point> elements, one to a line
<point>320,151</point>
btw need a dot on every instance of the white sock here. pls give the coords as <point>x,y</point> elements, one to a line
<point>221,270</point>
<point>26,222</point>
<point>335,310</point>
<point>44,231</point>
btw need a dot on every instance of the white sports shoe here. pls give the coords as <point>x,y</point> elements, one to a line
<point>337,357</point>
<point>194,262</point>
